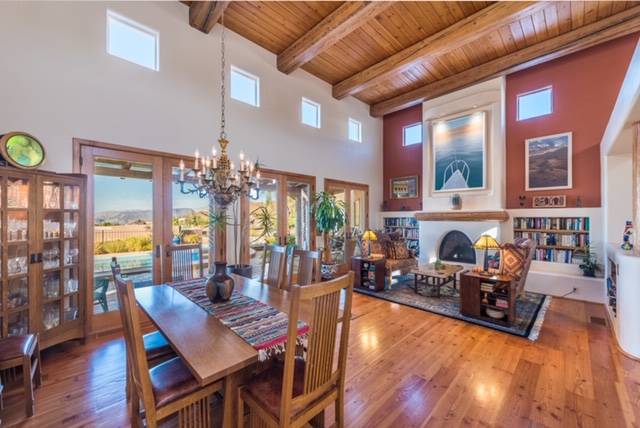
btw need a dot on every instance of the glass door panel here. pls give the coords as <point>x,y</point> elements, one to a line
<point>123,227</point>
<point>263,221</point>
<point>189,220</point>
<point>337,239</point>
<point>299,214</point>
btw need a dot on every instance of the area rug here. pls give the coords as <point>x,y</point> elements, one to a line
<point>530,308</point>
<point>260,325</point>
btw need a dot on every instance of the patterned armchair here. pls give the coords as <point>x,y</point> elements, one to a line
<point>516,260</point>
<point>399,259</point>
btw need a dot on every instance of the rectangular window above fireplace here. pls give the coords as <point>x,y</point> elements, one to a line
<point>535,103</point>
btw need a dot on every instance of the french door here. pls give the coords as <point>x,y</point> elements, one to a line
<point>280,213</point>
<point>356,201</point>
<point>125,221</point>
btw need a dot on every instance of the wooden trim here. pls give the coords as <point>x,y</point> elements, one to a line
<point>612,27</point>
<point>463,216</point>
<point>340,23</point>
<point>453,37</point>
<point>203,15</point>
<point>78,143</point>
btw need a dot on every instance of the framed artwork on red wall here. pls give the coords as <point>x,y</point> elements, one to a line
<point>548,163</point>
<point>405,187</point>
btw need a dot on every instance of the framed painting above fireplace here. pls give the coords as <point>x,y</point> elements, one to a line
<point>459,153</point>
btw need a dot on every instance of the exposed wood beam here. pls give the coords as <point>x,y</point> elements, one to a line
<point>610,28</point>
<point>340,23</point>
<point>455,36</point>
<point>203,15</point>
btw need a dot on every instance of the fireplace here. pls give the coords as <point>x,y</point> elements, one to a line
<point>457,247</point>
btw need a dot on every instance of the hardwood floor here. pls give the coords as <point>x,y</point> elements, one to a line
<point>406,368</point>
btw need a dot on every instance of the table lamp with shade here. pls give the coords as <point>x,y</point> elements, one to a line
<point>486,243</point>
<point>369,236</point>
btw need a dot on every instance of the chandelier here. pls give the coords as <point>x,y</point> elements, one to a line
<point>216,176</point>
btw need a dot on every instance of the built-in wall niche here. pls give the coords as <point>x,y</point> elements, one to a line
<point>558,239</point>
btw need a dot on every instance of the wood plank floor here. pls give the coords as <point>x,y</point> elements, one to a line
<point>406,368</point>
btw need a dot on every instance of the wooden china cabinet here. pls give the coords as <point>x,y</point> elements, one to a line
<point>42,274</point>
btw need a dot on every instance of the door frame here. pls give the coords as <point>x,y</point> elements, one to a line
<point>84,151</point>
<point>348,186</point>
<point>283,177</point>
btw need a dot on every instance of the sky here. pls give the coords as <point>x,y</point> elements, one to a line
<point>116,194</point>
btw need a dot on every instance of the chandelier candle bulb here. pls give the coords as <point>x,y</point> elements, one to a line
<point>181,170</point>
<point>197,155</point>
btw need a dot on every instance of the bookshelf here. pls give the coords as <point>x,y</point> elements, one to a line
<point>558,239</point>
<point>407,227</point>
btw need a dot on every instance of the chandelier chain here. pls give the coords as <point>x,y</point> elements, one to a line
<point>223,134</point>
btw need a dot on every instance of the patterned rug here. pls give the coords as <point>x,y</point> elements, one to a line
<point>530,309</point>
<point>260,325</point>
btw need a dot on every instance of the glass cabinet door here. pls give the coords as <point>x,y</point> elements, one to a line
<point>60,252</point>
<point>15,231</point>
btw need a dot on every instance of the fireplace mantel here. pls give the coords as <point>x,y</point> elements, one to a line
<point>499,215</point>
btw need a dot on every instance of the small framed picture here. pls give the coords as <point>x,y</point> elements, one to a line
<point>557,201</point>
<point>548,162</point>
<point>405,187</point>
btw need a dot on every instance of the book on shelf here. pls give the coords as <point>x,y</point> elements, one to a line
<point>551,238</point>
<point>486,287</point>
<point>552,223</point>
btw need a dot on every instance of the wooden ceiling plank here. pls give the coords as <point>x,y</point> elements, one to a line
<point>564,16</point>
<point>203,15</point>
<point>577,14</point>
<point>462,32</point>
<point>551,19</point>
<point>341,22</point>
<point>610,28</point>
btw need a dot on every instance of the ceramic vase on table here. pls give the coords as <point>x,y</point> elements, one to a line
<point>220,285</point>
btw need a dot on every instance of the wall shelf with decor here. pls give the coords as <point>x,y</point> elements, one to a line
<point>408,229</point>
<point>558,239</point>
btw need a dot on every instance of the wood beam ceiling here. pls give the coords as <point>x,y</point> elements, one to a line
<point>455,36</point>
<point>340,23</point>
<point>203,15</point>
<point>590,35</point>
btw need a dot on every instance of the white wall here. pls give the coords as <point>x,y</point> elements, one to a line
<point>488,97</point>
<point>57,82</point>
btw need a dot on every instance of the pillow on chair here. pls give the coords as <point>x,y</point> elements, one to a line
<point>512,260</point>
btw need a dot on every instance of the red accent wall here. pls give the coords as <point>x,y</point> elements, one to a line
<point>585,88</point>
<point>401,161</point>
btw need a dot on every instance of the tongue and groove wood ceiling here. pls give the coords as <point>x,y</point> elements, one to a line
<point>392,55</point>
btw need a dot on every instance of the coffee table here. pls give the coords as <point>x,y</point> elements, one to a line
<point>437,278</point>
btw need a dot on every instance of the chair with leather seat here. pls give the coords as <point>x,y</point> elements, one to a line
<point>167,388</point>
<point>16,351</point>
<point>156,346</point>
<point>295,392</point>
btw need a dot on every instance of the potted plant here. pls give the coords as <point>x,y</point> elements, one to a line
<point>589,263</point>
<point>220,219</point>
<point>330,217</point>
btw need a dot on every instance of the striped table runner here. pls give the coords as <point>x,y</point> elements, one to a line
<point>258,324</point>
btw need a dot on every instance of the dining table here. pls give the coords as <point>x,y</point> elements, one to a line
<point>211,350</point>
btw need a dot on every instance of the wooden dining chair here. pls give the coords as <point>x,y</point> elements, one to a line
<point>156,346</point>
<point>23,351</point>
<point>292,393</point>
<point>308,264</point>
<point>182,266</point>
<point>277,268</point>
<point>167,388</point>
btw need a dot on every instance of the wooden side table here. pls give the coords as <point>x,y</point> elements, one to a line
<point>369,272</point>
<point>481,294</point>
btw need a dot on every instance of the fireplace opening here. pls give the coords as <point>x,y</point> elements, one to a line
<point>457,247</point>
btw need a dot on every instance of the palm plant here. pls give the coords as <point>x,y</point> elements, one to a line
<point>330,217</point>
